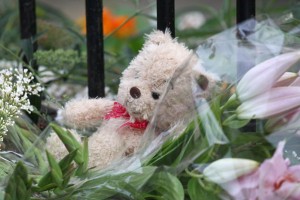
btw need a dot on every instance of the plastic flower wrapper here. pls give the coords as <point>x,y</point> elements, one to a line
<point>230,149</point>
<point>259,111</point>
<point>133,177</point>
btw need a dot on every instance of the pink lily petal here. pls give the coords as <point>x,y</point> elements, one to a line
<point>290,187</point>
<point>289,190</point>
<point>243,188</point>
<point>264,75</point>
<point>275,179</point>
<point>290,120</point>
<point>295,171</point>
<point>270,103</point>
<point>286,79</point>
<point>296,82</point>
<point>272,169</point>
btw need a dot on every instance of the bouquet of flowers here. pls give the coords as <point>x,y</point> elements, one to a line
<point>242,143</point>
<point>259,114</point>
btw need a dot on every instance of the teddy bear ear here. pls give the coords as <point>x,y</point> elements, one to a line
<point>159,37</point>
<point>207,81</point>
<point>207,85</point>
<point>202,81</point>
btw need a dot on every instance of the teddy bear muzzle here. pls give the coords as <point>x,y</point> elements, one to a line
<point>135,92</point>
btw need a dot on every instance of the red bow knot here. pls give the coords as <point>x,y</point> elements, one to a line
<point>119,111</point>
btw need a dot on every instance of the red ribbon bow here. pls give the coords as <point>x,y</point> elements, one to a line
<point>119,111</point>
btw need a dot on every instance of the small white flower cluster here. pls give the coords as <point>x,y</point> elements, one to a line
<point>15,87</point>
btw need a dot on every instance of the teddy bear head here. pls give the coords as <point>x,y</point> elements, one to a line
<point>158,81</point>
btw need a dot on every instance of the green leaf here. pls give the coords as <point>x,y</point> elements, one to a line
<point>189,145</point>
<point>85,153</point>
<point>215,106</point>
<point>196,191</point>
<point>140,179</point>
<point>252,146</point>
<point>118,191</point>
<point>46,181</point>
<point>66,161</point>
<point>70,142</point>
<point>211,153</point>
<point>68,174</point>
<point>235,123</point>
<point>55,170</point>
<point>62,134</point>
<point>27,48</point>
<point>107,185</point>
<point>296,11</point>
<point>5,168</point>
<point>167,186</point>
<point>171,148</point>
<point>85,157</point>
<point>18,186</point>
<point>31,152</point>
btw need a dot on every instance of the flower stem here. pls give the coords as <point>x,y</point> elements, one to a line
<point>232,101</point>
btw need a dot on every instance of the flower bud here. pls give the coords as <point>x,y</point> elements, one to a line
<point>227,169</point>
<point>263,76</point>
<point>271,103</point>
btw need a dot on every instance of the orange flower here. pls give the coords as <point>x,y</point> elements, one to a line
<point>111,23</point>
<point>82,24</point>
<point>128,27</point>
<point>108,25</point>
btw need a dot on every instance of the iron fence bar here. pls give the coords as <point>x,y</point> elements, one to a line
<point>27,18</point>
<point>245,10</point>
<point>166,15</point>
<point>245,26</point>
<point>28,30</point>
<point>95,48</point>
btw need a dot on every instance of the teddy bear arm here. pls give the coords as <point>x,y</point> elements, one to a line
<point>85,113</point>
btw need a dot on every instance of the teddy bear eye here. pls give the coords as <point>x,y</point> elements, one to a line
<point>155,95</point>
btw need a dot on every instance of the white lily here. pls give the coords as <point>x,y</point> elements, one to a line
<point>263,76</point>
<point>273,102</point>
<point>228,169</point>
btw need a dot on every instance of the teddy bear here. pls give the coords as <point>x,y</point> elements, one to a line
<point>155,89</point>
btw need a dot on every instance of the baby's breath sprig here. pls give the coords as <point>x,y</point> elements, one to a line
<point>15,87</point>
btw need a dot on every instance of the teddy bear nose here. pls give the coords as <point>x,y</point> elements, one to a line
<point>135,92</point>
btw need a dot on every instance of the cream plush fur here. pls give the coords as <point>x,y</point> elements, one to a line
<point>162,72</point>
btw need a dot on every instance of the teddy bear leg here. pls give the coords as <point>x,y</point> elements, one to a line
<point>105,148</point>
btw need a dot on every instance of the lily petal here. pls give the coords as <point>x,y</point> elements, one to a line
<point>228,169</point>
<point>296,82</point>
<point>288,120</point>
<point>264,75</point>
<point>273,102</point>
<point>286,79</point>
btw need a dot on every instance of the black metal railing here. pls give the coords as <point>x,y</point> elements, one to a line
<point>245,9</point>
<point>166,15</point>
<point>95,48</point>
<point>95,52</point>
<point>28,32</point>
